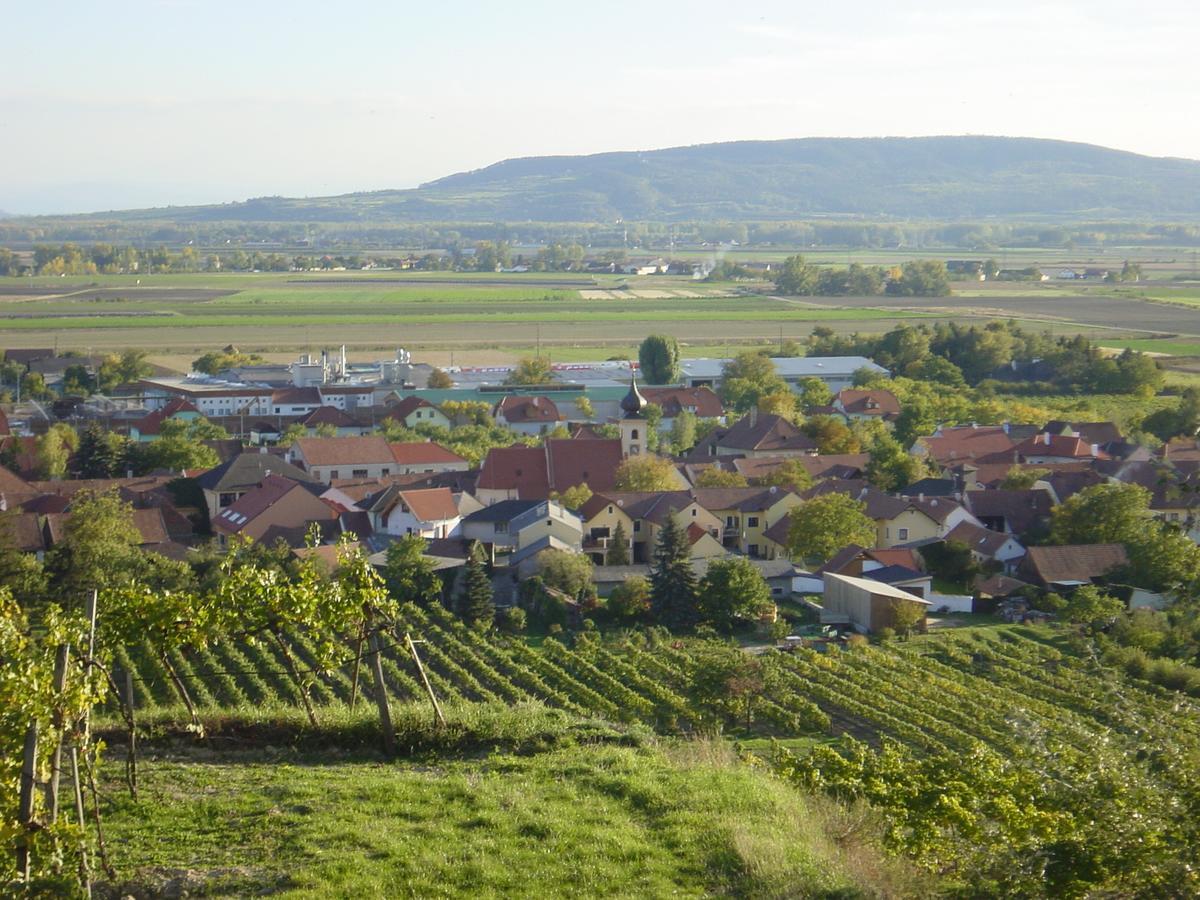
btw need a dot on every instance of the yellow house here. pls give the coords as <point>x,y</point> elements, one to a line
<point>745,516</point>
<point>643,513</point>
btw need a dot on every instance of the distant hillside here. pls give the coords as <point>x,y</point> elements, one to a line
<point>927,177</point>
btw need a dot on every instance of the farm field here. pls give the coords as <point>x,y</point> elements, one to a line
<point>180,316</point>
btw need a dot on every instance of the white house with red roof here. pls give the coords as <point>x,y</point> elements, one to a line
<point>527,415</point>
<point>149,426</point>
<point>329,459</point>
<point>413,411</point>
<point>428,512</point>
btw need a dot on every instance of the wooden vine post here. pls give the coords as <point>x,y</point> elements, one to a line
<point>25,801</point>
<point>61,659</point>
<point>437,707</point>
<point>381,697</point>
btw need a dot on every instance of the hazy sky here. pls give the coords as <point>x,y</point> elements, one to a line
<point>155,102</point>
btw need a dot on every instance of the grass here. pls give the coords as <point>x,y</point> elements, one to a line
<point>1171,348</point>
<point>596,819</point>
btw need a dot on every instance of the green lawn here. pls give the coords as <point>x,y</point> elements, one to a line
<point>596,819</point>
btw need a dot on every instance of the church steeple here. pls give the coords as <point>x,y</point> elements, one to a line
<point>633,405</point>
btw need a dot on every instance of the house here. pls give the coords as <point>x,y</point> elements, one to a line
<point>277,508</point>
<point>699,401</point>
<point>1056,448</point>
<point>426,457</point>
<point>962,443</point>
<point>329,459</point>
<point>865,604</point>
<point>527,415</point>
<point>746,514</point>
<point>532,473</point>
<point>149,426</point>
<point>1071,565</point>
<point>857,405</point>
<point>1018,512</point>
<point>643,514</point>
<point>223,485</point>
<point>430,512</point>
<point>509,526</point>
<point>23,531</point>
<point>988,546</point>
<point>836,466</point>
<point>412,411</point>
<point>756,435</point>
<point>324,418</point>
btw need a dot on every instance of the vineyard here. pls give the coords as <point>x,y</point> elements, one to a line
<point>993,754</point>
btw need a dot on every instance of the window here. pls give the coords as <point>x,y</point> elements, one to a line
<point>731,521</point>
<point>903,534</point>
<point>227,499</point>
<point>753,549</point>
<point>501,528</point>
<point>333,473</point>
<point>693,512</point>
<point>634,434</point>
<point>387,471</point>
<point>610,510</point>
<point>358,473</point>
<point>752,522</point>
<point>637,526</point>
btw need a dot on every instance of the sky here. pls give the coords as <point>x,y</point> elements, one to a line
<point>138,103</point>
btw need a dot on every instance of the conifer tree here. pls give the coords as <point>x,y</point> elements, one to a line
<point>618,548</point>
<point>674,587</point>
<point>476,606</point>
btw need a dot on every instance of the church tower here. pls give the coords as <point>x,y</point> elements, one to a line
<point>633,421</point>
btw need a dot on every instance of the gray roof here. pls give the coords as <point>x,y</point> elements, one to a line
<point>787,367</point>
<point>249,469</point>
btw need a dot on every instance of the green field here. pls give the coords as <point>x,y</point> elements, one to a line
<point>491,317</point>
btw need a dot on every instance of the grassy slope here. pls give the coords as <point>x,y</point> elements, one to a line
<point>598,818</point>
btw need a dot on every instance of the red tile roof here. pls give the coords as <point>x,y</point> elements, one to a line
<point>329,415</point>
<point>700,401</point>
<point>415,453</point>
<point>1074,562</point>
<point>151,423</point>
<point>345,451</point>
<point>404,408</point>
<point>967,442</point>
<point>521,410</point>
<point>1058,445</point>
<point>431,504</point>
<point>868,403</point>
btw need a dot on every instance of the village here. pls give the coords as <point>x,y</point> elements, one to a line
<point>588,463</point>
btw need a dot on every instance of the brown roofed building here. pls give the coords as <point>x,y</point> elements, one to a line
<point>699,401</point>
<point>857,404</point>
<point>412,411</point>
<point>328,459</point>
<point>757,434</point>
<point>527,415</point>
<point>426,457</point>
<point>1055,448</point>
<point>278,506</point>
<point>532,473</point>
<point>1071,565</point>
<point>961,443</point>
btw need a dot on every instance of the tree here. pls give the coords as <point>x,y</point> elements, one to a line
<point>476,605</point>
<point>573,498</point>
<point>630,599</point>
<point>673,584</point>
<point>796,277</point>
<point>54,449</point>
<point>216,361</point>
<point>1102,514</point>
<point>584,405</point>
<point>683,431</point>
<point>1091,607</point>
<point>716,477</point>
<point>78,382</point>
<point>780,403</point>
<point>789,473</point>
<point>570,573</point>
<point>123,368</point>
<point>439,380</point>
<point>906,616</point>
<point>814,392</point>
<point>891,467</point>
<point>1022,478</point>
<point>99,548</point>
<point>824,525</point>
<point>832,435</point>
<point>97,457</point>
<point>658,359</point>
<point>618,546</point>
<point>409,574</point>
<point>531,370</point>
<point>731,590</point>
<point>747,378</point>
<point>33,385</point>
<point>646,473</point>
<point>921,278</point>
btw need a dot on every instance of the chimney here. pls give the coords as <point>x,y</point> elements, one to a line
<point>1046,438</point>
<point>262,449</point>
<point>753,416</point>
<point>1095,449</point>
<point>1005,427</point>
<point>921,497</point>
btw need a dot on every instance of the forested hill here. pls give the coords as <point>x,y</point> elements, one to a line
<point>927,177</point>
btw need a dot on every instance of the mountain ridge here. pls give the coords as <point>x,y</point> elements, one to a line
<point>936,177</point>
